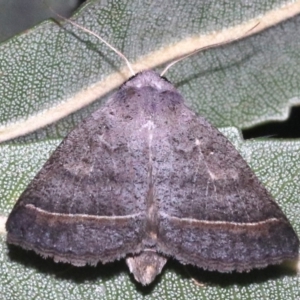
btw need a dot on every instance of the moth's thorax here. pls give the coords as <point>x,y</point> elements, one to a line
<point>147,96</point>
<point>150,78</point>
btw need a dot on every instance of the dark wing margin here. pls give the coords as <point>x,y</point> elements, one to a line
<point>228,246</point>
<point>76,239</point>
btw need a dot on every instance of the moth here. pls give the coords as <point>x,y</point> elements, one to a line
<point>145,178</point>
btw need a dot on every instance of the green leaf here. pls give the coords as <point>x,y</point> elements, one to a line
<point>49,72</point>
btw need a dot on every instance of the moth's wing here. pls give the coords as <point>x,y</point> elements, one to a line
<point>213,211</point>
<point>87,204</point>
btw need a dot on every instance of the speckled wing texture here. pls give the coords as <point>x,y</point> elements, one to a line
<point>145,173</point>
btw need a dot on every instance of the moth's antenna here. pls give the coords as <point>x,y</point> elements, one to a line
<point>98,37</point>
<point>205,48</point>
